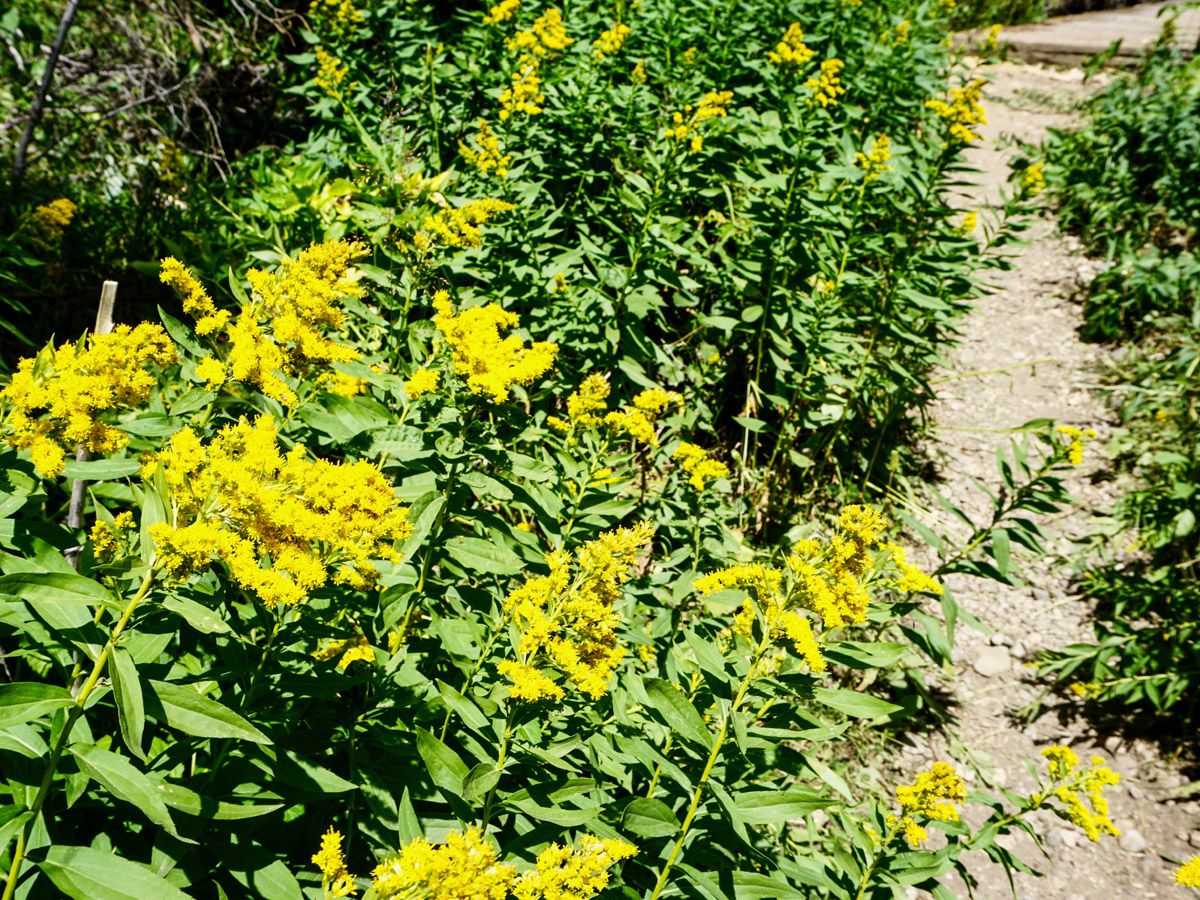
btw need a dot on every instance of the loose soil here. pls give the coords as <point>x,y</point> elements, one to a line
<point>1020,358</point>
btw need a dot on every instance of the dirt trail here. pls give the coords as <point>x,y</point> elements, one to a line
<point>1027,328</point>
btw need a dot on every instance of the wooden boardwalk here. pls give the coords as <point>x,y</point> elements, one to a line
<point>1070,40</point>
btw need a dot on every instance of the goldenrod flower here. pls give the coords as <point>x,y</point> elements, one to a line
<point>196,301</point>
<point>350,650</point>
<point>826,86</point>
<point>107,539</point>
<point>569,624</point>
<point>330,73</point>
<point>1072,782</point>
<point>638,75</point>
<point>1189,873</point>
<point>341,384</point>
<point>572,873</point>
<point>459,226</point>
<point>54,401</point>
<point>338,18</point>
<point>700,467</point>
<point>931,798</point>
<point>421,382</point>
<point>487,155</point>
<point>335,880</point>
<point>969,222</point>
<point>465,867</point>
<point>1034,178</point>
<point>489,363</point>
<point>1078,439</point>
<point>637,420</point>
<point>609,43</point>
<point>875,161</point>
<point>685,125</point>
<point>524,95</point>
<point>963,113</point>
<point>284,525</point>
<point>211,372</point>
<point>47,223</point>
<point>501,12</point>
<point>791,50</point>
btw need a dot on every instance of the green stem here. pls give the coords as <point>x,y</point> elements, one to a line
<point>73,716</point>
<point>500,759</point>
<point>713,755</point>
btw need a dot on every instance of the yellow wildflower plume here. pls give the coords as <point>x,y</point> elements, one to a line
<point>609,43</point>
<point>826,86</point>
<point>774,609</point>
<point>572,873</point>
<point>459,226</point>
<point>569,623</point>
<point>1033,180</point>
<point>583,404</point>
<point>1071,783</point>
<point>962,114</point>
<point>489,363</point>
<point>284,525</point>
<point>930,798</point>
<point>465,867</point>
<point>548,37</point>
<point>637,419</point>
<point>421,382</point>
<point>876,160</point>
<point>330,73</point>
<point>791,51</point>
<point>685,125</point>
<point>524,95</point>
<point>487,155</point>
<point>1189,873</point>
<point>1077,439</point>
<point>337,17</point>
<point>501,12</point>
<point>54,401</point>
<point>699,466</point>
<point>47,223</point>
<point>336,881</point>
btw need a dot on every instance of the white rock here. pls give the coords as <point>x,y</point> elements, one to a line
<point>992,661</point>
<point>1132,840</point>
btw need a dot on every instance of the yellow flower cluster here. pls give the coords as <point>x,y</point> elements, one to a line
<point>47,223</point>
<point>876,160</point>
<point>963,113</point>
<point>826,86</point>
<point>490,364</point>
<point>465,867</point>
<point>569,622</point>
<point>636,420</point>
<point>572,873</point>
<point>355,649</point>
<point>524,94</point>
<point>338,17</point>
<point>53,402</point>
<point>278,334</point>
<point>583,403</point>
<point>638,75</point>
<point>969,222</point>
<point>107,539</point>
<point>1073,782</point>
<point>330,73</point>
<point>487,155</point>
<point>1189,873</point>
<point>501,12</point>
<point>1033,181</point>
<point>1078,439</point>
<point>421,382</point>
<point>900,36</point>
<point>609,43</point>
<point>685,125</point>
<point>768,604</point>
<point>459,226</point>
<point>335,880</point>
<point>791,51</point>
<point>243,502</point>
<point>547,38</point>
<point>699,466</point>
<point>931,798</point>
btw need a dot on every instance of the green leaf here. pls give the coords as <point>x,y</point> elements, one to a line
<point>196,614</point>
<point>24,701</point>
<point>481,779</point>
<point>409,825</point>
<point>854,704</point>
<point>123,780</point>
<point>753,886</point>
<point>182,334</point>
<point>1001,550</point>
<point>478,555</point>
<point>101,469</point>
<point>677,711</point>
<point>87,873</point>
<point>188,801</point>
<point>55,587</point>
<point>188,711</point>
<point>649,818</point>
<point>775,807</point>
<point>864,654</point>
<point>127,691</point>
<point>445,768</point>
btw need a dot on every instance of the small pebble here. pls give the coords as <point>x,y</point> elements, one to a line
<point>1132,840</point>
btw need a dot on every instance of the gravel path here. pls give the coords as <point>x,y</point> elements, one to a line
<point>1027,327</point>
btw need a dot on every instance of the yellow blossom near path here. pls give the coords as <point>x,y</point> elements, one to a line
<point>963,113</point>
<point>283,524</point>
<point>875,161</point>
<point>491,364</point>
<point>637,419</point>
<point>465,867</point>
<point>1073,782</point>
<point>1189,873</point>
<point>335,880</point>
<point>54,401</point>
<point>1077,440</point>
<point>455,227</point>
<point>1033,181</point>
<point>791,51</point>
<point>932,797</point>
